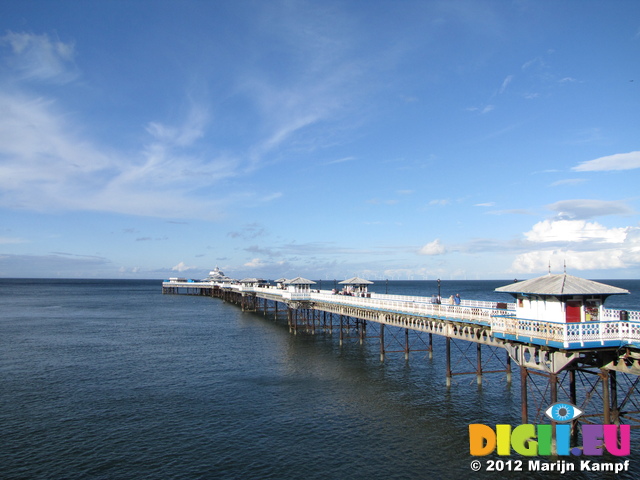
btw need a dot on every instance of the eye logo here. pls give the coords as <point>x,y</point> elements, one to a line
<point>563,412</point>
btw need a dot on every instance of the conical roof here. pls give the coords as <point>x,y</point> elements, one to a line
<point>561,284</point>
<point>300,281</point>
<point>355,281</point>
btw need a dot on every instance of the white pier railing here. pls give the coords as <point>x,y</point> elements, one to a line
<point>613,330</point>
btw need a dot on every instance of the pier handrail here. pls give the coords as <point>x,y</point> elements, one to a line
<point>610,331</point>
<point>424,308</point>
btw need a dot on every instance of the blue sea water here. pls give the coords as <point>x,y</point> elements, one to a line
<point>109,379</point>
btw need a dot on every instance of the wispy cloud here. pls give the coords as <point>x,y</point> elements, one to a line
<point>482,110</point>
<point>52,163</point>
<point>49,166</point>
<point>568,181</point>
<point>53,265</point>
<point>11,240</point>
<point>248,232</point>
<point>442,202</point>
<point>40,57</point>
<point>619,161</point>
<point>183,135</point>
<point>583,209</point>
<point>510,212</point>
<point>340,160</point>
<point>505,83</point>
<point>322,84</point>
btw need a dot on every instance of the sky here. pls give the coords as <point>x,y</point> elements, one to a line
<point>480,139</point>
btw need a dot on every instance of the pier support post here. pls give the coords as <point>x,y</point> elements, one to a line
<point>341,329</point>
<point>431,346</point>
<point>406,344</point>
<point>523,394</point>
<point>573,398</point>
<point>448,360</point>
<point>508,368</point>
<point>290,318</point>
<point>615,412</point>
<point>479,364</point>
<point>606,400</point>
<point>553,393</point>
<point>382,342</point>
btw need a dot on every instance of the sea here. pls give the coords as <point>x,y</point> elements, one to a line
<point>111,379</point>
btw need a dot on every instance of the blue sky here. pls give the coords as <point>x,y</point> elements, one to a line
<point>389,139</point>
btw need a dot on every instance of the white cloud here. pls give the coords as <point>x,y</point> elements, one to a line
<point>575,231</point>
<point>585,246</point>
<point>181,267</point>
<point>619,161</point>
<point>539,261</point>
<point>255,263</point>
<point>433,248</point>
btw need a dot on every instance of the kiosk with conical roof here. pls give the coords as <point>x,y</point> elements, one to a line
<point>560,298</point>
<point>299,287</point>
<point>357,286</point>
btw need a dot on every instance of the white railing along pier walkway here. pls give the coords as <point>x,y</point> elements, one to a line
<point>498,320</point>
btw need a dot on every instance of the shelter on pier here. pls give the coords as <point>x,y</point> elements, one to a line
<point>280,283</point>
<point>356,286</point>
<point>560,298</point>
<point>253,282</point>
<point>299,285</point>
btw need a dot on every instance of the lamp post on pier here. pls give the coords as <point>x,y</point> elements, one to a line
<point>439,297</point>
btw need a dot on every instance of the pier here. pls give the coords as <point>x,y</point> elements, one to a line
<point>566,345</point>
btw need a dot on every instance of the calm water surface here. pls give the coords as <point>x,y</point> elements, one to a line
<point>113,380</point>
